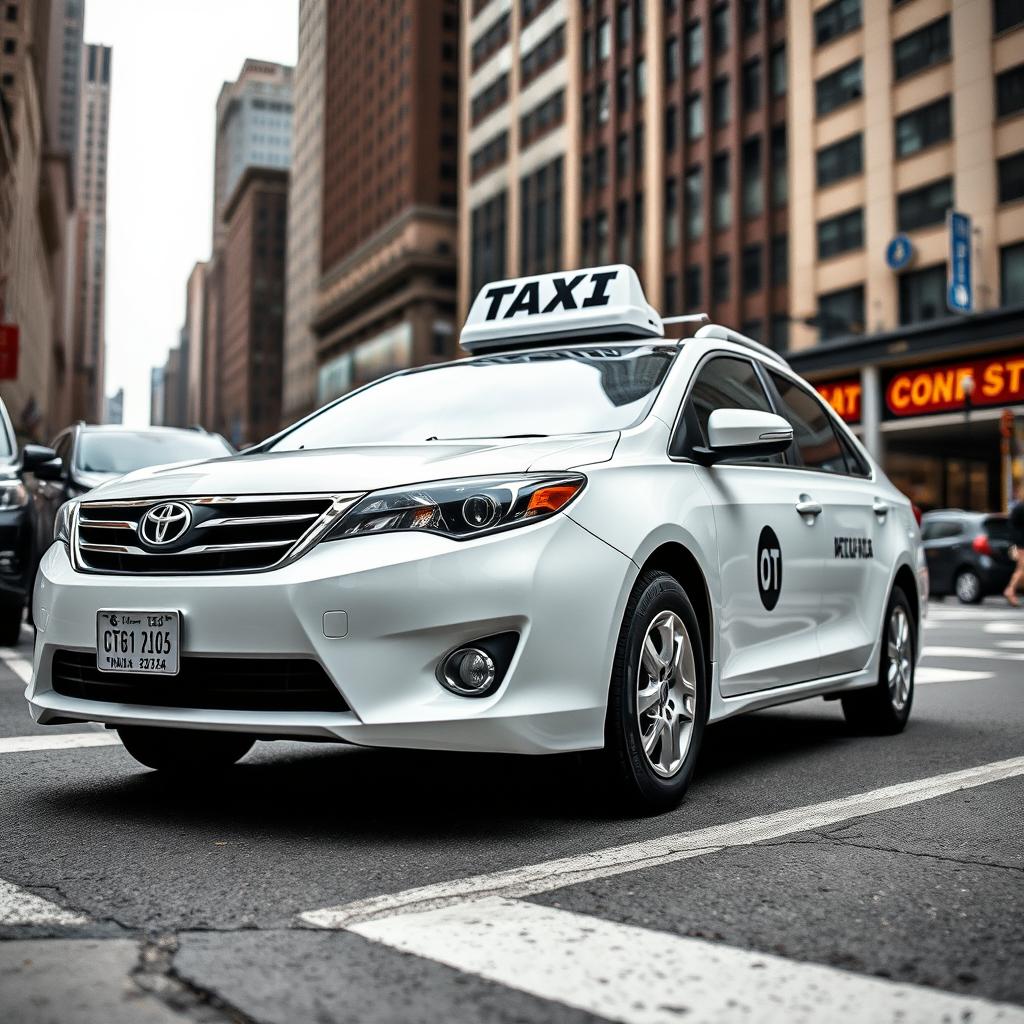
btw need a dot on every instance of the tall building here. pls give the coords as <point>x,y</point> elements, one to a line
<point>254,126</point>
<point>156,396</point>
<point>255,228</point>
<point>113,407</point>
<point>647,133</point>
<point>900,113</point>
<point>387,290</point>
<point>194,340</point>
<point>64,73</point>
<point>303,264</point>
<point>90,307</point>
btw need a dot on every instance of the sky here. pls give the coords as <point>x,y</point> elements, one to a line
<point>170,60</point>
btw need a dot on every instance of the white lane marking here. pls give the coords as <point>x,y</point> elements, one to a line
<point>970,652</point>
<point>933,674</point>
<point>14,659</point>
<point>584,867</point>
<point>1015,645</point>
<point>624,973</point>
<point>1012,628</point>
<point>20,907</point>
<point>57,741</point>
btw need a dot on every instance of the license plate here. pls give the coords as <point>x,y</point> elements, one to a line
<point>138,642</point>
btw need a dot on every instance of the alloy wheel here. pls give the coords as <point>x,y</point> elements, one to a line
<point>967,587</point>
<point>901,664</point>
<point>666,699</point>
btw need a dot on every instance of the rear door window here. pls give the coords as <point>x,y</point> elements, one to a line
<point>814,437</point>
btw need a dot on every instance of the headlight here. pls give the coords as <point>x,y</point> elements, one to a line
<point>62,522</point>
<point>461,508</point>
<point>13,494</point>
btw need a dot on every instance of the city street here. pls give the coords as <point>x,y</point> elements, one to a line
<point>810,873</point>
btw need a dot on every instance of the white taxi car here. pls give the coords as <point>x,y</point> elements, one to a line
<point>585,537</point>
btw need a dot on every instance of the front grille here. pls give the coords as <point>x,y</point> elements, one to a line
<point>226,534</point>
<point>214,684</point>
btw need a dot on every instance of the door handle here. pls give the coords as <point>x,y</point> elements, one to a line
<point>880,508</point>
<point>807,506</point>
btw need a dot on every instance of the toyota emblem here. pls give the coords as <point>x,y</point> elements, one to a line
<point>166,523</point>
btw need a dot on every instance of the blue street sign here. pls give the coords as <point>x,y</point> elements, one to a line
<point>960,284</point>
<point>899,252</point>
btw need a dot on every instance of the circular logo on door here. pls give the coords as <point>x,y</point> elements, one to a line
<point>769,568</point>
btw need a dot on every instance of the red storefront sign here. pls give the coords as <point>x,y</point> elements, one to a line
<point>844,396</point>
<point>998,380</point>
<point>8,351</point>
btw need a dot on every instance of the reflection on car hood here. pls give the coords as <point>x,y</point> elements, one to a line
<point>361,467</point>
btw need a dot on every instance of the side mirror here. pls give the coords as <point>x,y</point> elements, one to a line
<point>44,463</point>
<point>743,434</point>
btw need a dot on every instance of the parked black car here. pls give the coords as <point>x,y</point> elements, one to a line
<point>968,553</point>
<point>88,455</point>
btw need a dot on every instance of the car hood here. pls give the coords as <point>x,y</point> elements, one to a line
<point>360,467</point>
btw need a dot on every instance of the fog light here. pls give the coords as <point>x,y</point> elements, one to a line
<point>469,672</point>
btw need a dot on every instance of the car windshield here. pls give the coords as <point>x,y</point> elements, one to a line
<point>118,451</point>
<point>525,394</point>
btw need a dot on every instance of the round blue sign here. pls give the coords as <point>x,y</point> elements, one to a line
<point>899,252</point>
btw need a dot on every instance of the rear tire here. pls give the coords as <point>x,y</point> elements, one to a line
<point>885,708</point>
<point>11,618</point>
<point>968,587</point>
<point>657,701</point>
<point>184,751</point>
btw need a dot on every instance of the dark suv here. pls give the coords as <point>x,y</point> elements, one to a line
<point>968,553</point>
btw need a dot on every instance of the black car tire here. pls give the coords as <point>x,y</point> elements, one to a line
<point>637,783</point>
<point>967,587</point>
<point>11,617</point>
<point>875,710</point>
<point>184,751</point>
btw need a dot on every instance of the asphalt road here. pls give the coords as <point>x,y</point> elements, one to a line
<point>811,874</point>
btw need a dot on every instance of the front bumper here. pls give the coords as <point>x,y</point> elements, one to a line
<point>409,599</point>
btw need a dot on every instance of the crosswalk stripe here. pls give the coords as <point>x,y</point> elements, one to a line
<point>584,867</point>
<point>57,741</point>
<point>17,663</point>
<point>18,907</point>
<point>935,674</point>
<point>637,976</point>
<point>970,652</point>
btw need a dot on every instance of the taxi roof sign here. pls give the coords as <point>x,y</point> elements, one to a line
<point>590,303</point>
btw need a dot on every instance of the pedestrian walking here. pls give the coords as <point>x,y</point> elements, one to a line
<point>1017,549</point>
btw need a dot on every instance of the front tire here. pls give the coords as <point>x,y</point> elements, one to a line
<point>184,751</point>
<point>657,702</point>
<point>885,708</point>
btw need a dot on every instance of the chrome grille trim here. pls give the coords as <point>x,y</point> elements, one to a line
<point>93,550</point>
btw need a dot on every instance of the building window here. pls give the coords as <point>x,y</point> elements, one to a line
<point>780,169</point>
<point>721,283</point>
<point>694,185</point>
<point>835,20</point>
<point>926,126</point>
<point>839,88</point>
<point>1011,274</point>
<point>671,128</point>
<point>1011,177</point>
<point>1007,14</point>
<point>840,234</point>
<point>753,178</point>
<point>601,236</point>
<point>604,39</point>
<point>640,75</point>
<point>752,85</point>
<point>721,192</point>
<point>488,43</point>
<point>720,28</point>
<point>752,270</point>
<point>925,206</point>
<point>672,60</point>
<point>778,339</point>
<point>622,231</point>
<point>693,287</point>
<point>1010,91</point>
<point>694,116</point>
<point>542,119</point>
<point>721,104</point>
<point>623,24</point>
<point>777,71</point>
<point>622,90</point>
<point>489,99</point>
<point>671,213</point>
<point>601,166</point>
<point>11,14</point>
<point>843,159</point>
<point>750,16</point>
<point>491,154</point>
<point>622,155</point>
<point>923,294</point>
<point>10,46</point>
<point>546,53</point>
<point>780,259</point>
<point>921,49</point>
<point>638,228</point>
<point>694,43</point>
<point>841,313</point>
<point>638,147</point>
<point>776,8</point>
<point>586,173</point>
<point>488,241</point>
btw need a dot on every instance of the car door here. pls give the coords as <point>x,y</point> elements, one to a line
<point>855,529</point>
<point>769,569</point>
